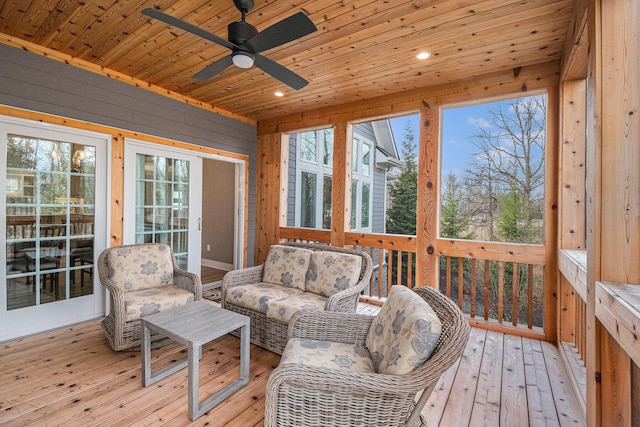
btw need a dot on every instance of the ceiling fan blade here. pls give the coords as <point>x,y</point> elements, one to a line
<point>279,72</point>
<point>190,28</point>
<point>289,29</point>
<point>214,68</point>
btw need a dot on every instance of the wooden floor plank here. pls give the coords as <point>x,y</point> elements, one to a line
<point>542,409</point>
<point>566,401</point>
<point>486,407</point>
<point>513,407</point>
<point>460,402</point>
<point>81,381</point>
<point>438,400</point>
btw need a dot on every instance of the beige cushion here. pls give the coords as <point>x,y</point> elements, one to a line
<point>145,302</point>
<point>404,333</point>
<point>325,354</point>
<point>286,265</point>
<point>332,272</point>
<point>256,296</point>
<point>283,309</point>
<point>140,266</point>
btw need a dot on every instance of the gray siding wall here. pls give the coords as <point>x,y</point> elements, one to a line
<point>36,83</point>
<point>379,190</point>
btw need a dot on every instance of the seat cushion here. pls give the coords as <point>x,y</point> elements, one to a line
<point>332,272</point>
<point>283,309</point>
<point>287,266</point>
<point>140,266</point>
<point>144,302</point>
<point>325,354</point>
<point>256,296</point>
<point>404,333</point>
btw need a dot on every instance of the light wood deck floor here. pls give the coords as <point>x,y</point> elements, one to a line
<point>71,377</point>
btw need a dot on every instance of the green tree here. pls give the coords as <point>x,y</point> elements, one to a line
<point>513,220</point>
<point>454,223</point>
<point>403,190</point>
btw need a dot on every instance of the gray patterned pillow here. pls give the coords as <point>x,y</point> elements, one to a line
<point>286,265</point>
<point>140,267</point>
<point>404,333</point>
<point>332,272</point>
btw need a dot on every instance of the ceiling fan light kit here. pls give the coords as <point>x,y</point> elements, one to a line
<point>246,42</point>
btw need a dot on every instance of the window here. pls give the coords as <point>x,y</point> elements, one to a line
<point>493,168</point>
<point>313,180</point>
<point>361,182</point>
<point>314,164</point>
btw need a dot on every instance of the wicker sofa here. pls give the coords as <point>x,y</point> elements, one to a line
<point>295,276</point>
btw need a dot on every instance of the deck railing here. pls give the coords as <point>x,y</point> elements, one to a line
<point>502,283</point>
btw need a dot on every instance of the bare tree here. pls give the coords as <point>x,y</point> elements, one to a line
<point>510,158</point>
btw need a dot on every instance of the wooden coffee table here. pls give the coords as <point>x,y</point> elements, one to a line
<point>194,325</point>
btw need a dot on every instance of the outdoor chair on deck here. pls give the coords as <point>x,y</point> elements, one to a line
<point>142,280</point>
<point>359,370</point>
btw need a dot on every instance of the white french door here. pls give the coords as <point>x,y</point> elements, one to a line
<point>162,200</point>
<point>53,180</point>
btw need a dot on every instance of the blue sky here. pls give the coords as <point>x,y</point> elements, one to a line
<point>460,124</point>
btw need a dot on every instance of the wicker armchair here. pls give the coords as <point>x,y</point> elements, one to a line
<point>301,395</point>
<point>142,280</point>
<point>271,333</point>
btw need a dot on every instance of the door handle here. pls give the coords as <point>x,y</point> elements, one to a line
<point>199,224</point>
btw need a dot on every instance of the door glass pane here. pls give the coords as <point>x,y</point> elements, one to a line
<point>366,159</point>
<point>50,206</point>
<point>162,203</point>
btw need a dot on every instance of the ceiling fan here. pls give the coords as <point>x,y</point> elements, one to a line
<point>246,42</point>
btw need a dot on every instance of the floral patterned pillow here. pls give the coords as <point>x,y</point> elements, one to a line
<point>140,266</point>
<point>332,272</point>
<point>286,265</point>
<point>404,333</point>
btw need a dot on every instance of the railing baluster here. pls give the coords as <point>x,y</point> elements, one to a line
<point>389,270</point>
<point>410,270</point>
<point>486,289</point>
<point>514,291</point>
<point>399,269</point>
<point>380,258</point>
<point>530,297</point>
<point>500,290</point>
<point>473,287</point>
<point>460,282</point>
<point>448,290</point>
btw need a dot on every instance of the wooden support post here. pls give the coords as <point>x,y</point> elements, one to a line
<point>613,236</point>
<point>428,196</point>
<point>271,208</point>
<point>341,185</point>
<point>551,217</point>
<point>117,190</point>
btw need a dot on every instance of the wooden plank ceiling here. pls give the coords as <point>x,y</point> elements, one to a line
<point>362,49</point>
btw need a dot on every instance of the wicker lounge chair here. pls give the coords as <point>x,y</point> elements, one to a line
<point>302,395</point>
<point>142,279</point>
<point>270,332</point>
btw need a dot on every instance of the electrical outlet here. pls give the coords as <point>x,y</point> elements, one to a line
<point>208,247</point>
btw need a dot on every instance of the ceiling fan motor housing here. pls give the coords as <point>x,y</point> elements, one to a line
<point>240,32</point>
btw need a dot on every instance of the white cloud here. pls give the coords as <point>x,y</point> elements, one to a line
<point>480,122</point>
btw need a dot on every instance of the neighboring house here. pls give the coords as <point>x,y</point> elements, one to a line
<point>311,171</point>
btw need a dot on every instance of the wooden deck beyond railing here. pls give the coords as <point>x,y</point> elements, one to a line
<point>502,283</point>
<point>71,376</point>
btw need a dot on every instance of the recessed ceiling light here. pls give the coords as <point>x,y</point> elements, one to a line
<point>423,55</point>
<point>278,93</point>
